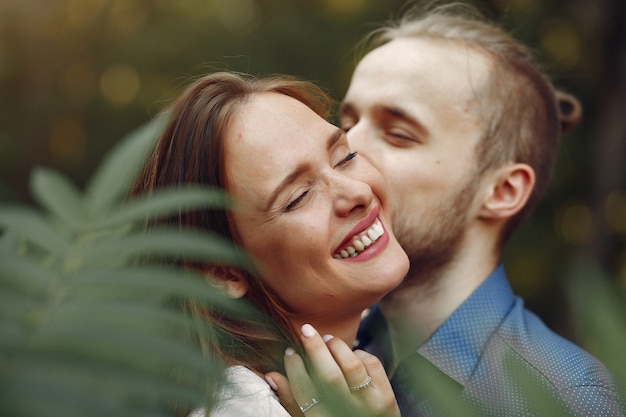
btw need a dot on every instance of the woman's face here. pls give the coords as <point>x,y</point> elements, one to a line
<point>304,199</point>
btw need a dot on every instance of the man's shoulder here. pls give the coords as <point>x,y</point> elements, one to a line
<point>525,336</point>
<point>524,356</point>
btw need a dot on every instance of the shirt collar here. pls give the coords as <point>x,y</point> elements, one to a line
<point>456,345</point>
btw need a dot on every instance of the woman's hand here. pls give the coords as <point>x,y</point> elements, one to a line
<point>342,382</point>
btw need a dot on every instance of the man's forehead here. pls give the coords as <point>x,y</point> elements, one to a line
<point>423,67</point>
<point>421,54</point>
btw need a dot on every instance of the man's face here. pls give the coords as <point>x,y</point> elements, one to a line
<point>412,109</point>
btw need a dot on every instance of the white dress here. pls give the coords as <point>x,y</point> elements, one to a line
<point>245,395</point>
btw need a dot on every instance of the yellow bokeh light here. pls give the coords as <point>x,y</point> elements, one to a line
<point>120,84</point>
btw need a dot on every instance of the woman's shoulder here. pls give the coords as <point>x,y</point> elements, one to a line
<point>239,374</point>
<point>245,394</point>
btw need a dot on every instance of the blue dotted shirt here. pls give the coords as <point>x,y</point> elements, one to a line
<point>496,358</point>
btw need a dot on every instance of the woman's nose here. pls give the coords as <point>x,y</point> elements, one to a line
<point>351,195</point>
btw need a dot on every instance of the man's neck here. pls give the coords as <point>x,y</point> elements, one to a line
<point>418,307</point>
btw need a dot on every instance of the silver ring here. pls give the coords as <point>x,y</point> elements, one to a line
<point>362,386</point>
<point>307,406</point>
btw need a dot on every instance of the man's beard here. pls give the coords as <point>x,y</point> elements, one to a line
<point>433,241</point>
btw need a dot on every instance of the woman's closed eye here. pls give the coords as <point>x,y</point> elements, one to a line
<point>345,160</point>
<point>294,203</point>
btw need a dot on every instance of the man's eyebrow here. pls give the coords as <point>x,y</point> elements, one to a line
<point>399,113</point>
<point>383,110</point>
<point>301,169</point>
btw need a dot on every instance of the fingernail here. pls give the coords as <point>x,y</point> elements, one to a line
<point>327,337</point>
<point>271,382</point>
<point>308,331</point>
<point>289,351</point>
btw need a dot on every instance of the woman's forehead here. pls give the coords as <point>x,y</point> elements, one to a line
<point>268,137</point>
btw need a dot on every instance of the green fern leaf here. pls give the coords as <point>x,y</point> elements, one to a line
<point>86,329</point>
<point>121,166</point>
<point>33,228</point>
<point>57,195</point>
<point>162,203</point>
<point>156,284</point>
<point>186,245</point>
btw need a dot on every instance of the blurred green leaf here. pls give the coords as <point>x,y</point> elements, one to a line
<point>34,228</point>
<point>113,178</point>
<point>25,276</point>
<point>84,381</point>
<point>151,283</point>
<point>170,243</point>
<point>544,402</point>
<point>426,381</point>
<point>164,202</point>
<point>15,316</point>
<point>85,327</point>
<point>57,195</point>
<point>599,311</point>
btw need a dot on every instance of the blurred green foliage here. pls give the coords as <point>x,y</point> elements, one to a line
<point>86,328</point>
<point>76,75</point>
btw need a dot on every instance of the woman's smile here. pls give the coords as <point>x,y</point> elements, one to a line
<point>360,242</point>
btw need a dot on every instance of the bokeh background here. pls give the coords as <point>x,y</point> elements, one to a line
<point>78,75</point>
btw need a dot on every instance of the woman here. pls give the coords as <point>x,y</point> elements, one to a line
<point>309,212</point>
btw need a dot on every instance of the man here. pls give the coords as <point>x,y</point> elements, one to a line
<point>465,129</point>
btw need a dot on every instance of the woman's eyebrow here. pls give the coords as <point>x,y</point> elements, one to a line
<point>334,138</point>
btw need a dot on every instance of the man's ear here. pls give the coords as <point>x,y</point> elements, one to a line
<point>229,279</point>
<point>510,188</point>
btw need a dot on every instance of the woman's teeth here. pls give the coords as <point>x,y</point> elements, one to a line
<point>361,241</point>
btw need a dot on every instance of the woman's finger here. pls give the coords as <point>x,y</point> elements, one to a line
<point>280,385</point>
<point>302,387</point>
<point>322,361</point>
<point>352,367</point>
<point>375,369</point>
<point>384,401</point>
